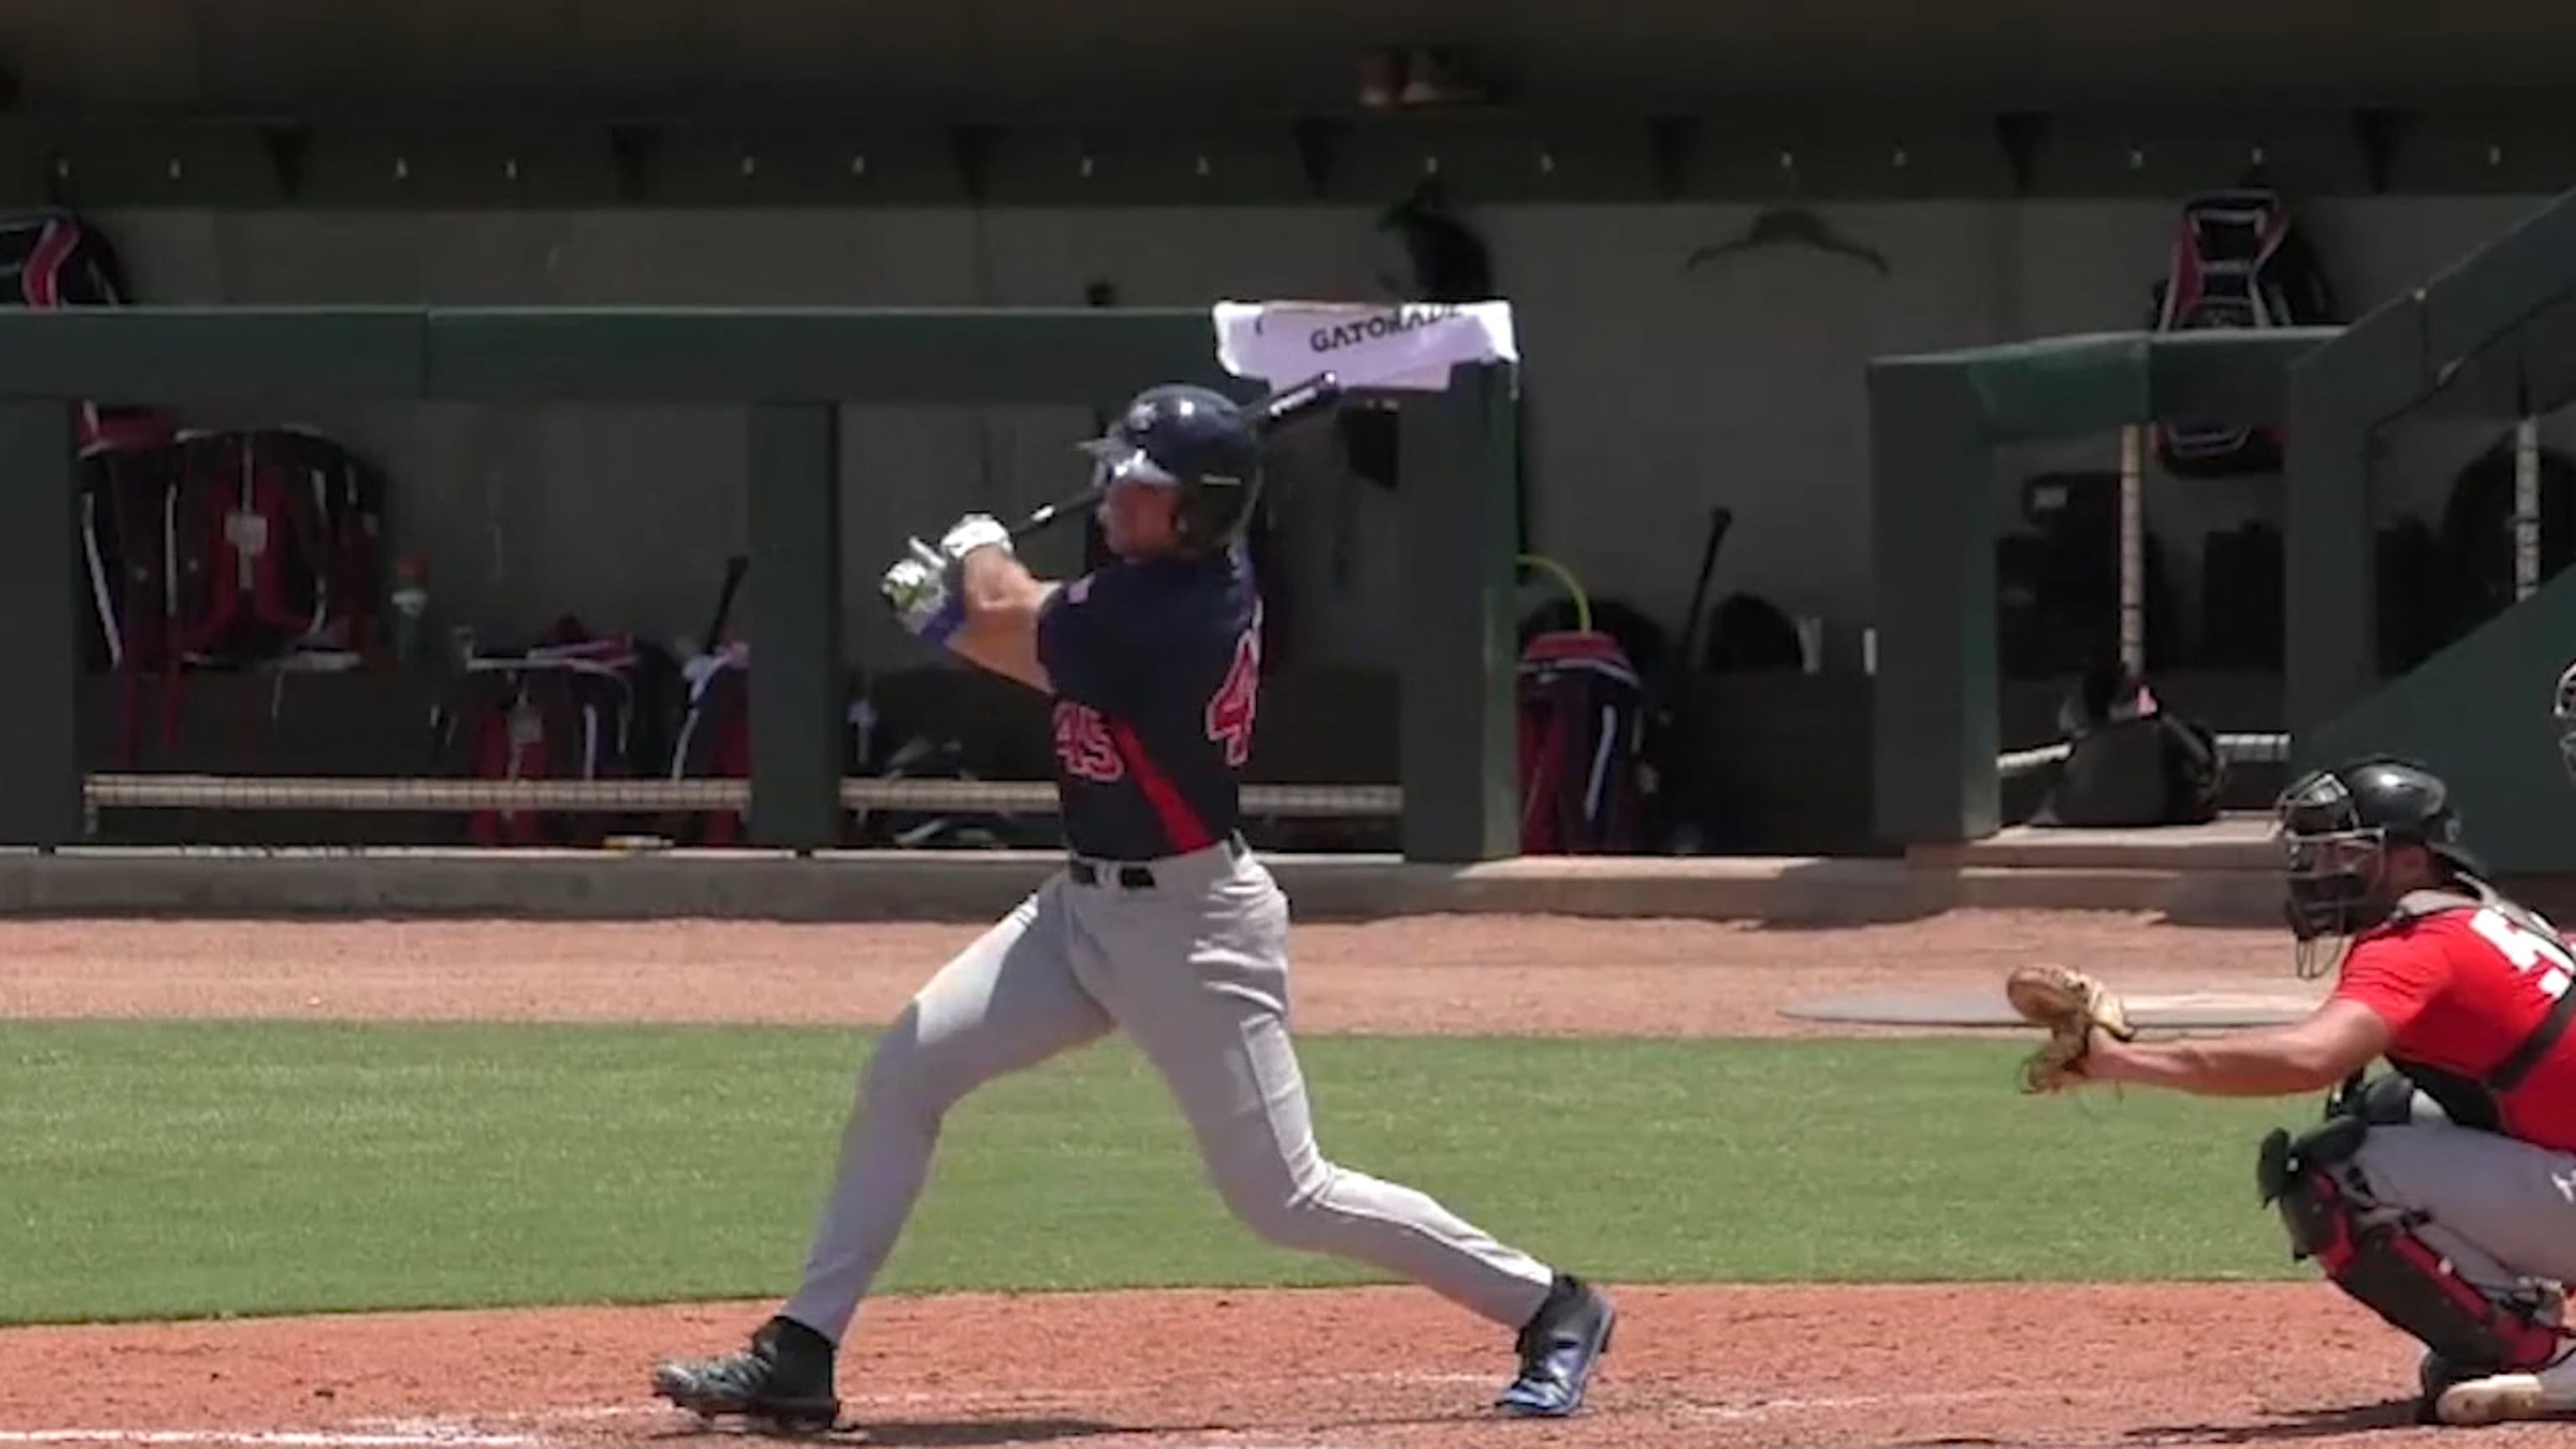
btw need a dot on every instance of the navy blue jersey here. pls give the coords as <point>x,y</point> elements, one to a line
<point>1156,669</point>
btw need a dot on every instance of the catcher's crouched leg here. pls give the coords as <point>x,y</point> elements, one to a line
<point>2372,1253</point>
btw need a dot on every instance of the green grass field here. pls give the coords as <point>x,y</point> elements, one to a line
<point>183,1169</point>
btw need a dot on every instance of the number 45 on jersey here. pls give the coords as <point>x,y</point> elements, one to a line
<point>1231,709</point>
<point>1088,744</point>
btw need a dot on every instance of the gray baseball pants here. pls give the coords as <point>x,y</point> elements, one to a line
<point>1194,969</point>
<point>2503,1211</point>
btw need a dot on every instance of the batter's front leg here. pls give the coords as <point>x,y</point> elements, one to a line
<point>1006,1002</point>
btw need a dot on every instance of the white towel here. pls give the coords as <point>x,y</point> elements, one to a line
<point>1408,345</point>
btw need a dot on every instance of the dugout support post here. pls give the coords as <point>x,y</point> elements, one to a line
<point>2330,564</point>
<point>797,703</point>
<point>1457,746</point>
<point>1936,734</point>
<point>41,800</point>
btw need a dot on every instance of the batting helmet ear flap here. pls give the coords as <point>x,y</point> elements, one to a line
<point>1216,510</point>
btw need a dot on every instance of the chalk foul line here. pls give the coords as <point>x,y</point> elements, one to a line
<point>277,1437</point>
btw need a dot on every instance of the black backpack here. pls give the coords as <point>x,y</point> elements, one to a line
<point>1750,634</point>
<point>2154,769</point>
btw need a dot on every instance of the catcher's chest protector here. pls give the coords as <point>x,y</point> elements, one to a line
<point>2475,1101</point>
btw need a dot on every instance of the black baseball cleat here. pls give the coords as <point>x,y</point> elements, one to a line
<point>1559,1347</point>
<point>784,1377</point>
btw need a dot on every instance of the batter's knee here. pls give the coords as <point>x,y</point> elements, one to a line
<point>1302,1224</point>
<point>1284,1212</point>
<point>902,1077</point>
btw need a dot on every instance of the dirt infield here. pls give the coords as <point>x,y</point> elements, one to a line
<point>1717,1366</point>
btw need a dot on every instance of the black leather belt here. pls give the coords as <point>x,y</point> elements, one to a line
<point>1128,875</point>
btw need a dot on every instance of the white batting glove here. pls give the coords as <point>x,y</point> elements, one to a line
<point>918,594</point>
<point>974,531</point>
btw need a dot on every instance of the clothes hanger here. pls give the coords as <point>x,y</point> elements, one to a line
<point>1791,226</point>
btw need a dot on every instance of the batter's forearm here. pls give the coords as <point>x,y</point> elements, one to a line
<point>1001,600</point>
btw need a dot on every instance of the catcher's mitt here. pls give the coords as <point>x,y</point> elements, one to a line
<point>2069,1004</point>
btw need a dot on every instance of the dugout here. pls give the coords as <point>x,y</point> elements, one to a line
<point>787,371</point>
<point>1935,423</point>
<point>2491,341</point>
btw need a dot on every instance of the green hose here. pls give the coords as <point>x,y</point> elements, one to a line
<point>1573,587</point>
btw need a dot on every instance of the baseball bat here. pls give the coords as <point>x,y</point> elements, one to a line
<point>1292,405</point>
<point>1047,517</point>
<point>1663,722</point>
<point>735,568</point>
<point>1720,519</point>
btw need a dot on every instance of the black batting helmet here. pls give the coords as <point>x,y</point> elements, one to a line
<point>1194,439</point>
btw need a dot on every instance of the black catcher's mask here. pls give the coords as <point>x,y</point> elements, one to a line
<point>2335,829</point>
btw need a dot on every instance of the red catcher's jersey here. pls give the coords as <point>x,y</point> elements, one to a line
<point>2463,991</point>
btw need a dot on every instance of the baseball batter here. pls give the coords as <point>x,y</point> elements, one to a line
<point>2441,1195</point>
<point>1162,924</point>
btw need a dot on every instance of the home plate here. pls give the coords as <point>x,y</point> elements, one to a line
<point>2182,1010</point>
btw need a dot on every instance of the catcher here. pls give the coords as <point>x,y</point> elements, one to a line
<point>2442,1195</point>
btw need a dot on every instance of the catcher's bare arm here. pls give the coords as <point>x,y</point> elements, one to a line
<point>1002,599</point>
<point>2338,1039</point>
